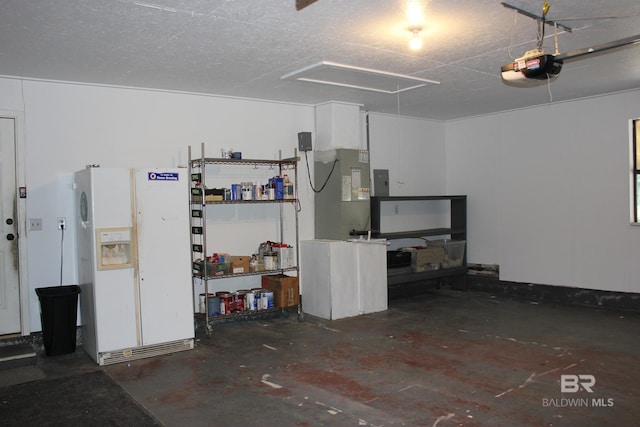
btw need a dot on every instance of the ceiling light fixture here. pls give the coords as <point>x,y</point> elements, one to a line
<point>415,17</point>
<point>415,13</point>
<point>416,41</point>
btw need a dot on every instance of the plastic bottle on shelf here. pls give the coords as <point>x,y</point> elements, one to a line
<point>288,187</point>
<point>247,191</point>
<point>271,191</point>
<point>257,192</point>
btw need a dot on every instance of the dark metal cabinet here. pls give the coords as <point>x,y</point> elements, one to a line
<point>457,229</point>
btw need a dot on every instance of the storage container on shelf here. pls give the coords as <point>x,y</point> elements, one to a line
<point>453,250</point>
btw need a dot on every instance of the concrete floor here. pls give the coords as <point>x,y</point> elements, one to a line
<point>441,359</point>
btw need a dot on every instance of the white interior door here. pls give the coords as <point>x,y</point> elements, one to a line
<point>9,272</point>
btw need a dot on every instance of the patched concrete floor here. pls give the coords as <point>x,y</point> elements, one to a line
<point>445,358</point>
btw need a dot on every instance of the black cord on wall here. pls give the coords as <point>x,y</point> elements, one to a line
<point>309,174</point>
<point>61,252</point>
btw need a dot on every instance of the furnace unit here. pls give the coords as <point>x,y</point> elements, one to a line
<point>343,205</point>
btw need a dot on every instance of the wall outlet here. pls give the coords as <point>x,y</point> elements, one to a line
<point>62,223</point>
<point>35,224</point>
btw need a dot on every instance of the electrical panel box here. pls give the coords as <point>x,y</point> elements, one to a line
<point>381,182</point>
<point>304,141</point>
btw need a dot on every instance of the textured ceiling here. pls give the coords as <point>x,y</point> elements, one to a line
<point>243,48</point>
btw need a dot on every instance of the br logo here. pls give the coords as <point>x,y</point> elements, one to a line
<point>574,383</point>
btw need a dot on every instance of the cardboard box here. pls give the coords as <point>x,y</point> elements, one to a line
<point>239,263</point>
<point>427,259</point>
<point>286,290</point>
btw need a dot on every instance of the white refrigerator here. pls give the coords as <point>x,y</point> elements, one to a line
<point>134,262</point>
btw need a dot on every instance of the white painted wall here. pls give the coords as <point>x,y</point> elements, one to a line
<point>548,192</point>
<point>69,126</point>
<point>548,187</point>
<point>413,150</point>
<point>337,126</point>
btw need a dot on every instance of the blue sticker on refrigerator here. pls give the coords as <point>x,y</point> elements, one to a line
<point>163,176</point>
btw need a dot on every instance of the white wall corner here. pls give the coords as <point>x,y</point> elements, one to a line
<point>338,126</point>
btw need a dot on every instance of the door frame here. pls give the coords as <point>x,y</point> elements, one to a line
<point>21,220</point>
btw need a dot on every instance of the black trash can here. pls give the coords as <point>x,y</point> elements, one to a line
<point>59,315</point>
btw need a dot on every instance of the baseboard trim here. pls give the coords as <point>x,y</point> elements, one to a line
<point>555,294</point>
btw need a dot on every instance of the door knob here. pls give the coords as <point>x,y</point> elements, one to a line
<point>10,236</point>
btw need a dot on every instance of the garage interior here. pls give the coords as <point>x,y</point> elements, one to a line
<point>535,324</point>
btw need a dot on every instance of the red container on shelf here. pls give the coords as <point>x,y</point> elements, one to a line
<point>238,301</point>
<point>226,302</point>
